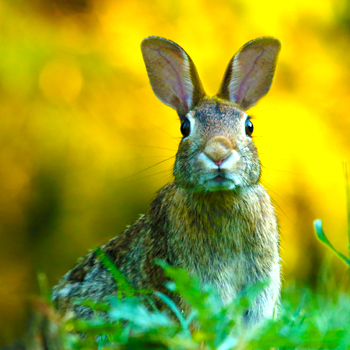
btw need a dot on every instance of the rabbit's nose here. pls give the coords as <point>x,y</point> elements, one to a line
<point>218,149</point>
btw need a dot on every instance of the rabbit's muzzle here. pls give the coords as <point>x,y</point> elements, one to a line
<point>219,161</point>
<point>218,149</point>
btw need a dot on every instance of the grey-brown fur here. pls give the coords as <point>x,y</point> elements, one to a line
<point>215,221</point>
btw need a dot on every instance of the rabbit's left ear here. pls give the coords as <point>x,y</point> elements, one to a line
<point>250,72</point>
<point>172,74</point>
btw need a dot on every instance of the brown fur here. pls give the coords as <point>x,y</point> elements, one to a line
<point>191,231</point>
<point>216,222</point>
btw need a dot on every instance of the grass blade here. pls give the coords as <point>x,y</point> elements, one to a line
<point>175,310</point>
<point>323,238</point>
<point>347,191</point>
<point>123,284</point>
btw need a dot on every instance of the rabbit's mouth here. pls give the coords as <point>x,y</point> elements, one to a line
<point>220,178</point>
<point>220,182</point>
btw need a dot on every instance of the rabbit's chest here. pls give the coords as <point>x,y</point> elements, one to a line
<point>218,259</point>
<point>229,245</point>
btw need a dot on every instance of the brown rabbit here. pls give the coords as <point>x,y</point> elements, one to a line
<point>215,220</point>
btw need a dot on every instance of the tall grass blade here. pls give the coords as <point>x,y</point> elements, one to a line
<point>347,191</point>
<point>228,344</point>
<point>123,284</point>
<point>323,238</point>
<point>175,310</point>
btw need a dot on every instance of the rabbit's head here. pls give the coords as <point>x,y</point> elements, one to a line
<point>216,151</point>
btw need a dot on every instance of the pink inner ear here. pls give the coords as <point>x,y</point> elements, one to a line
<point>176,66</point>
<point>172,74</point>
<point>248,74</point>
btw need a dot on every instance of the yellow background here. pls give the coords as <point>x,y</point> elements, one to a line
<point>79,124</point>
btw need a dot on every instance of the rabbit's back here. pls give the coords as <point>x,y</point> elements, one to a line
<point>131,252</point>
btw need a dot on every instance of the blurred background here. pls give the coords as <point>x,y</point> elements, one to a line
<point>81,131</point>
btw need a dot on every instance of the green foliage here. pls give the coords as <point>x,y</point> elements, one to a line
<point>117,275</point>
<point>318,223</point>
<point>307,320</point>
<point>323,238</point>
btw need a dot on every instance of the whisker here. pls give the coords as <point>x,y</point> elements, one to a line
<point>146,176</point>
<point>150,167</point>
<point>271,190</point>
<point>284,171</point>
<point>157,127</point>
<point>168,149</point>
<point>148,157</point>
<point>274,201</point>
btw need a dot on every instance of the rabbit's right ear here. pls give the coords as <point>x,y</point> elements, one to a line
<point>250,72</point>
<point>172,74</point>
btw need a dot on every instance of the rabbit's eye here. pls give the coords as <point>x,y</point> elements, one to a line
<point>249,127</point>
<point>185,127</point>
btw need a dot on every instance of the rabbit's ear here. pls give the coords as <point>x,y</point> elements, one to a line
<point>172,74</point>
<point>250,72</point>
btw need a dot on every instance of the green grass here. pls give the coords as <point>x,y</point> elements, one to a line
<point>307,319</point>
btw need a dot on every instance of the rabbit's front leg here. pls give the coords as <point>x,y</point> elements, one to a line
<point>265,306</point>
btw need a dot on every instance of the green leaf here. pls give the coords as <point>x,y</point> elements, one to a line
<point>323,238</point>
<point>347,193</point>
<point>123,284</point>
<point>132,310</point>
<point>98,306</point>
<point>176,311</point>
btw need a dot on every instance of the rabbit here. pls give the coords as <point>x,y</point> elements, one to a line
<point>215,219</point>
